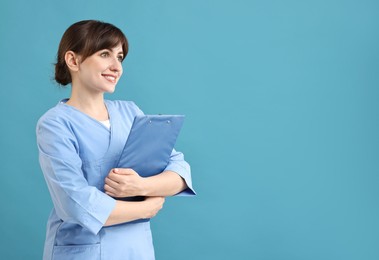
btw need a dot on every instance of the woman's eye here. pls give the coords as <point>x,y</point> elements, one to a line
<point>104,54</point>
<point>120,58</point>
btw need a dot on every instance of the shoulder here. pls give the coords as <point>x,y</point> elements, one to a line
<point>55,115</point>
<point>54,131</point>
<point>55,122</point>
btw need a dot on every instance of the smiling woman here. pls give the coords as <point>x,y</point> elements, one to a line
<point>95,74</point>
<point>80,140</point>
<point>85,38</point>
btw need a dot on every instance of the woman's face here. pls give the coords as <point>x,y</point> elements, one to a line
<point>101,71</point>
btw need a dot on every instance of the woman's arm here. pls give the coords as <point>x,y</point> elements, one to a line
<point>125,211</point>
<point>174,180</point>
<point>168,183</point>
<point>127,183</point>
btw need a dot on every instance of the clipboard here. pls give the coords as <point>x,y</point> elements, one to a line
<point>150,143</point>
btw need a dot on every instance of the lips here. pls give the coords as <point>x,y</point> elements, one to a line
<point>110,78</point>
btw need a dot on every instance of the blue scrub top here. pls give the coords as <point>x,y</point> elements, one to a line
<point>76,153</point>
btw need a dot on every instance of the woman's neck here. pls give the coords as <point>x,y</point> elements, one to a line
<point>92,105</point>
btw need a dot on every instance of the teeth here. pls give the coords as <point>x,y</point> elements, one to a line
<point>110,78</point>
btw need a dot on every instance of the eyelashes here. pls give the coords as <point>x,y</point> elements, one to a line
<point>106,54</point>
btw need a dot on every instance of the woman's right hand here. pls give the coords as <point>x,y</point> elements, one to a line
<point>126,211</point>
<point>153,205</point>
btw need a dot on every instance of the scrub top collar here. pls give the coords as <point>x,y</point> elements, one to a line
<point>115,131</point>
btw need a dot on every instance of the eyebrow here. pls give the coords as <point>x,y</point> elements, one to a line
<point>109,49</point>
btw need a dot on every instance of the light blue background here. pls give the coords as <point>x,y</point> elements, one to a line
<point>281,99</point>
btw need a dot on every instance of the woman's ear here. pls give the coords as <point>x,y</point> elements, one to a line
<point>72,60</point>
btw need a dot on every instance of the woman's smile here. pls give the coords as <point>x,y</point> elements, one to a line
<point>111,78</point>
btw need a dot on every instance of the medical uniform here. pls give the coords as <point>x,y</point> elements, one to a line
<point>76,153</point>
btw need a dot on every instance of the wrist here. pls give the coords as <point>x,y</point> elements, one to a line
<point>146,187</point>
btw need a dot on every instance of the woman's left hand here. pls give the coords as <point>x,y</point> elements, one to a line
<point>124,183</point>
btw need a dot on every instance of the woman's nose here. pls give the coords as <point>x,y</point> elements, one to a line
<point>116,65</point>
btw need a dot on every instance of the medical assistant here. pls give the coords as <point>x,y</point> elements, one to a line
<point>76,153</point>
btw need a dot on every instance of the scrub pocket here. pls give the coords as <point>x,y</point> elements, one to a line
<point>77,252</point>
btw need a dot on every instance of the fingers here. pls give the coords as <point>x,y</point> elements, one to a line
<point>115,177</point>
<point>118,174</point>
<point>110,187</point>
<point>122,182</point>
<point>159,205</point>
<point>111,194</point>
<point>111,182</point>
<point>124,171</point>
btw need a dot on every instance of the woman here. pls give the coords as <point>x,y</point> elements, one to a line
<point>79,142</point>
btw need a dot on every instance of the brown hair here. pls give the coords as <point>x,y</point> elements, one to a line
<point>85,38</point>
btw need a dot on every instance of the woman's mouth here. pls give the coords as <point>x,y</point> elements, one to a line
<point>110,78</point>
